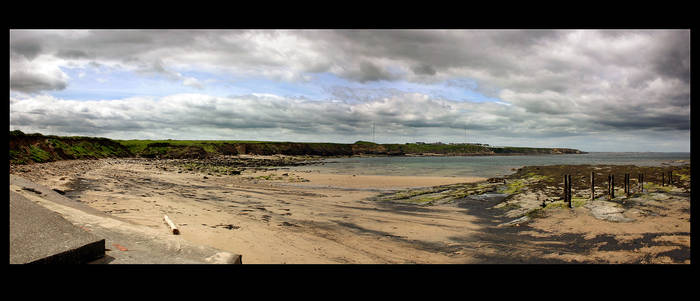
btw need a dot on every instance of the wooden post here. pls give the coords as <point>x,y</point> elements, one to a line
<point>629,184</point>
<point>639,182</point>
<point>592,185</point>
<point>171,224</point>
<point>569,191</point>
<point>609,187</point>
<point>565,182</point>
<point>612,186</point>
<point>663,179</point>
<point>670,178</point>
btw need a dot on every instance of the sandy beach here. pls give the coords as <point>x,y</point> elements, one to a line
<point>281,216</point>
<point>269,221</point>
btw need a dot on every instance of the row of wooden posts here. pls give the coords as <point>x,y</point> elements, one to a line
<point>611,185</point>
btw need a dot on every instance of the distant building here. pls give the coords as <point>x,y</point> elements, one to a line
<point>420,142</point>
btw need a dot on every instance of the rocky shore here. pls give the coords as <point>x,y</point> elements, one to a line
<point>654,215</point>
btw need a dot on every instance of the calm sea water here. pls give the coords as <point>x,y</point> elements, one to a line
<point>482,166</point>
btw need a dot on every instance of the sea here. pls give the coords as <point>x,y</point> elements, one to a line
<point>484,166</point>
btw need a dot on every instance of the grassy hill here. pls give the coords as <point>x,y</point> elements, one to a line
<point>26,148</point>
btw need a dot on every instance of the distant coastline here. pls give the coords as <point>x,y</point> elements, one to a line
<point>36,148</point>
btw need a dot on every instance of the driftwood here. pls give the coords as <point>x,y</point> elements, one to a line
<point>171,224</point>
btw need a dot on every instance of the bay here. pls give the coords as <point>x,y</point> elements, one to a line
<point>484,166</point>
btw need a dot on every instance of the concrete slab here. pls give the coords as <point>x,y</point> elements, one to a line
<point>123,242</point>
<point>39,235</point>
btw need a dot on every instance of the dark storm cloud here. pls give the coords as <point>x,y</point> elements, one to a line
<point>72,54</point>
<point>28,49</point>
<point>673,59</point>
<point>371,72</point>
<point>26,44</point>
<point>424,69</point>
<point>32,82</point>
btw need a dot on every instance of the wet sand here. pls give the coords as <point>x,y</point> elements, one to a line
<point>282,216</point>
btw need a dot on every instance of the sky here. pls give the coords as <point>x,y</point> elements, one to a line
<point>593,90</point>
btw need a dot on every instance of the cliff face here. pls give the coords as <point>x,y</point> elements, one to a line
<point>199,149</point>
<point>27,148</point>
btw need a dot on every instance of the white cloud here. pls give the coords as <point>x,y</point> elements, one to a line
<point>40,74</point>
<point>192,82</point>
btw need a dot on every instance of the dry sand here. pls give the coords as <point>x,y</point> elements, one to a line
<point>267,221</point>
<point>284,216</point>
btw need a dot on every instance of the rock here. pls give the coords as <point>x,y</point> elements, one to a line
<point>515,222</point>
<point>32,190</point>
<point>609,211</point>
<point>228,226</point>
<point>495,180</point>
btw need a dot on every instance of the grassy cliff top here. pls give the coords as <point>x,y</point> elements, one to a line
<point>26,148</point>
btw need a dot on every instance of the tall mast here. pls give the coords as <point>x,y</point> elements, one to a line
<point>373,132</point>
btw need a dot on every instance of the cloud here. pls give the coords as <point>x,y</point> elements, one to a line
<point>192,82</point>
<point>548,82</point>
<point>72,54</point>
<point>501,59</point>
<point>40,74</point>
<point>196,114</point>
<point>423,69</point>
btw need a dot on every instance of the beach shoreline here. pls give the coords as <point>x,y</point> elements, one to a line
<point>268,220</point>
<point>277,215</point>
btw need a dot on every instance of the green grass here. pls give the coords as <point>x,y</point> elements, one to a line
<point>515,186</point>
<point>38,154</point>
<point>425,200</point>
<point>578,202</point>
<point>267,177</point>
<point>210,146</point>
<point>412,148</point>
<point>77,147</point>
<point>138,146</point>
<point>656,187</point>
